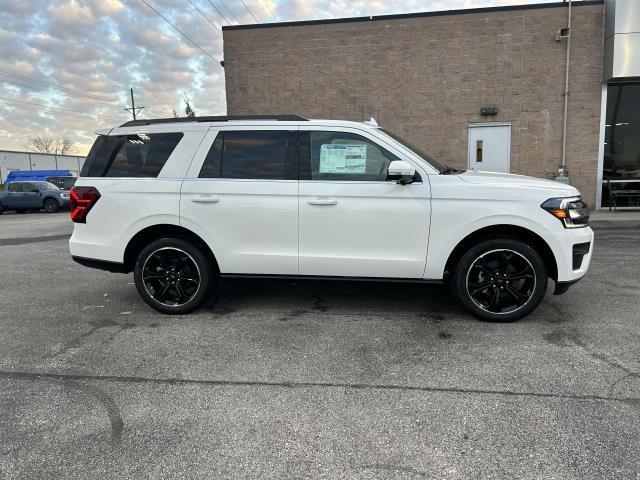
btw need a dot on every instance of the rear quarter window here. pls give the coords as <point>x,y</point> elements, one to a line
<point>140,155</point>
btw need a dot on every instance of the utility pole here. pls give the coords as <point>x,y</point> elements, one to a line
<point>133,109</point>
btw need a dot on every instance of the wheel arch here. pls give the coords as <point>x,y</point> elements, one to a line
<point>505,231</point>
<point>155,232</point>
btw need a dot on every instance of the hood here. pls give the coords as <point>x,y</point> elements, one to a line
<point>511,180</point>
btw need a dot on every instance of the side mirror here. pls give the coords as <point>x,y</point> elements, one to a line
<point>401,171</point>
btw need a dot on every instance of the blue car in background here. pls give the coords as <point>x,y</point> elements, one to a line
<point>64,179</point>
<point>37,195</point>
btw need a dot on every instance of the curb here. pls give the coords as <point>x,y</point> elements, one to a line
<point>608,225</point>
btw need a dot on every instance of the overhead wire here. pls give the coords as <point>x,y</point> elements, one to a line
<point>182,33</point>
<point>45,106</point>
<point>249,10</point>
<point>215,27</point>
<point>228,10</point>
<point>59,113</point>
<point>219,12</point>
<point>59,87</point>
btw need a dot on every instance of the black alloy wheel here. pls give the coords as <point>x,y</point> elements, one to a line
<point>173,276</point>
<point>500,280</point>
<point>50,205</point>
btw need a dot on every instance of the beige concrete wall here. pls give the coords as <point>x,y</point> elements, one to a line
<point>426,78</point>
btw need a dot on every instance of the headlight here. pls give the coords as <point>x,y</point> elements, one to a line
<point>571,211</point>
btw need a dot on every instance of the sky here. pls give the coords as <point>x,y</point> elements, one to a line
<point>66,66</point>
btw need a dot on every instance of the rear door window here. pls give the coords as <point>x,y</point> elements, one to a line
<point>140,155</point>
<point>14,187</point>
<point>259,155</point>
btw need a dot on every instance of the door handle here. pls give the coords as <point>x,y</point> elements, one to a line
<point>205,199</point>
<point>322,201</point>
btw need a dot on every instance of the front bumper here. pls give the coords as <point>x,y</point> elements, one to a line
<point>575,256</point>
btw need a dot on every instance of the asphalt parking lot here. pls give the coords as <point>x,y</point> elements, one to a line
<point>311,379</point>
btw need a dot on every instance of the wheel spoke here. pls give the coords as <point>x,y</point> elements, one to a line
<point>495,298</point>
<point>181,294</point>
<point>154,276</point>
<point>163,293</point>
<point>479,287</point>
<point>518,296</point>
<point>520,275</point>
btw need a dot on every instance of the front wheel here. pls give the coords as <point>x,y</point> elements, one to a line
<point>500,280</point>
<point>173,276</point>
<point>50,205</point>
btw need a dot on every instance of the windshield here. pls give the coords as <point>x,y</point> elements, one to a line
<point>425,156</point>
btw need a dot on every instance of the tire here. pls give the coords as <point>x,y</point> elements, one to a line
<point>174,276</point>
<point>50,205</point>
<point>500,280</point>
<point>1,209</point>
<point>20,210</point>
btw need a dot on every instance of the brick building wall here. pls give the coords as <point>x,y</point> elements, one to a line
<point>426,78</point>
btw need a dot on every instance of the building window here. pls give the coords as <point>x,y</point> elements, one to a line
<point>621,165</point>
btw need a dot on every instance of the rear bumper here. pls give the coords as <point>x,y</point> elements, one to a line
<point>113,267</point>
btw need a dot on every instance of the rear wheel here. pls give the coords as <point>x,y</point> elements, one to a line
<point>1,209</point>
<point>500,280</point>
<point>20,210</point>
<point>50,205</point>
<point>174,276</point>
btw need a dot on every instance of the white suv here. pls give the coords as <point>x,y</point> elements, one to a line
<point>182,202</point>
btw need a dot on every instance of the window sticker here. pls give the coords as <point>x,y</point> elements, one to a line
<point>339,158</point>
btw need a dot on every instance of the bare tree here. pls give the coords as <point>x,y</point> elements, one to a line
<point>47,144</point>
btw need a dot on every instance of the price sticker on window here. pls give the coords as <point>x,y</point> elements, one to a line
<point>338,158</point>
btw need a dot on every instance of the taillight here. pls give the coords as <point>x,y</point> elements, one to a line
<point>81,201</point>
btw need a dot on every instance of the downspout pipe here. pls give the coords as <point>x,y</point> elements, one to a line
<point>563,164</point>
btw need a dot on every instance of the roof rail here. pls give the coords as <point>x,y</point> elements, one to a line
<point>153,121</point>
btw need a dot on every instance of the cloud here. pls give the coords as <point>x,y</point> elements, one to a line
<point>104,47</point>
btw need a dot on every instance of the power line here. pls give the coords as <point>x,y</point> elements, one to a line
<point>59,87</point>
<point>62,109</point>
<point>56,113</point>
<point>250,12</point>
<point>229,10</point>
<point>182,33</point>
<point>219,12</point>
<point>216,28</point>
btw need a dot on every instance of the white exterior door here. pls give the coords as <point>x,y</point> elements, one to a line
<point>353,222</point>
<point>490,147</point>
<point>239,196</point>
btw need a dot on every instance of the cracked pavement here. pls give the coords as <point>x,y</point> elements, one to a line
<point>282,379</point>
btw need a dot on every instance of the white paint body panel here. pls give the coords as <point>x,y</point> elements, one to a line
<point>374,229</point>
<point>253,225</point>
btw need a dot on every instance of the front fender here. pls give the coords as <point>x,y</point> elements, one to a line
<point>446,236</point>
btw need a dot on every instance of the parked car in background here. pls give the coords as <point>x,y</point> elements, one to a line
<point>63,182</point>
<point>23,196</point>
<point>35,175</point>
<point>182,202</point>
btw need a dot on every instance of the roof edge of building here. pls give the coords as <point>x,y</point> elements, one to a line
<point>397,16</point>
